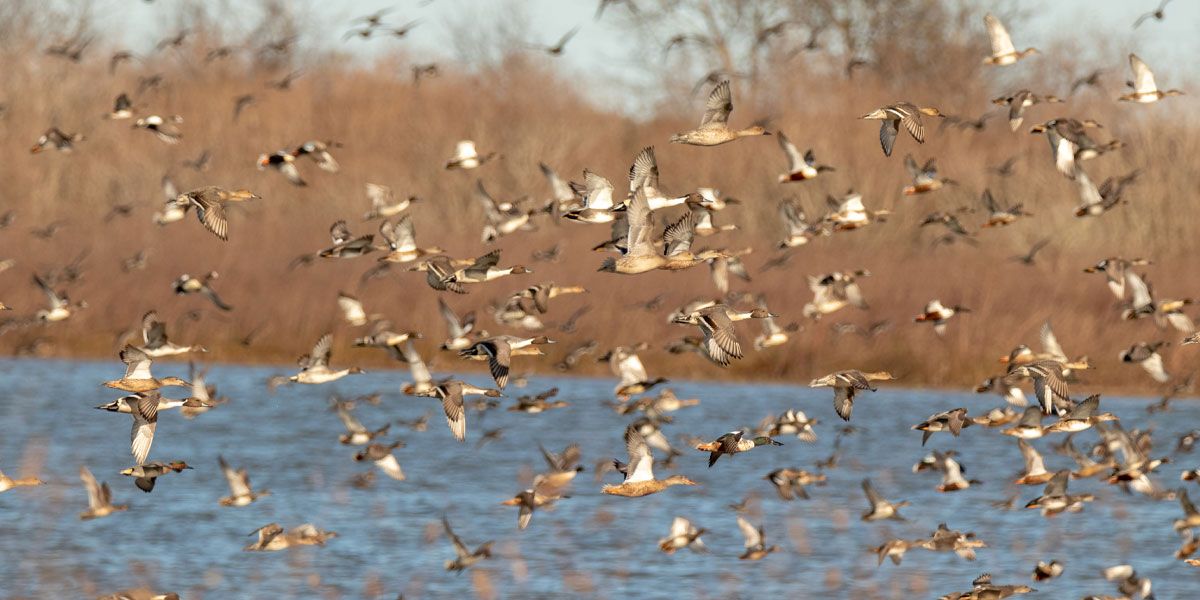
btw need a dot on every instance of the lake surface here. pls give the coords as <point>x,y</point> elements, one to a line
<point>178,538</point>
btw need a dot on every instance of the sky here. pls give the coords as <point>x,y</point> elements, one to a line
<point>598,52</point>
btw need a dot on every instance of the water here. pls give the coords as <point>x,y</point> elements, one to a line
<point>178,538</point>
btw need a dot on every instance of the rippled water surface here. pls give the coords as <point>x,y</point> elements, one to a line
<point>178,538</point>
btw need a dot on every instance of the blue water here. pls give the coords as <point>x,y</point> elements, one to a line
<point>178,538</point>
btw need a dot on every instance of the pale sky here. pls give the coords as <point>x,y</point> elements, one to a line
<point>599,52</point>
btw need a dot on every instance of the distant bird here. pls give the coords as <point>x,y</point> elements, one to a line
<point>161,127</point>
<point>1018,102</point>
<point>463,556</point>
<point>905,114</point>
<point>639,472</point>
<point>146,475</point>
<point>381,455</point>
<point>1070,143</point>
<point>1156,14</point>
<point>1003,51</point>
<point>210,203</point>
<point>424,71</point>
<point>186,284</point>
<point>756,548</point>
<point>845,386</point>
<point>1092,79</point>
<point>683,535</point>
<point>716,323</point>
<point>346,244</point>
<point>880,508</point>
<point>558,48</point>
<point>452,393</point>
<point>1047,570</point>
<point>938,314</point>
<point>1146,355</point>
<point>1145,90</point>
<point>57,139</point>
<point>122,108</point>
<point>714,128</point>
<point>314,367</point>
<point>1055,499</point>
<point>99,497</point>
<point>466,157</point>
<point>240,492</point>
<point>733,443</point>
<point>925,178</point>
<point>1095,201</point>
<point>800,167</point>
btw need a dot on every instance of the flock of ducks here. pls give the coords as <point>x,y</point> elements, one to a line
<point>637,246</point>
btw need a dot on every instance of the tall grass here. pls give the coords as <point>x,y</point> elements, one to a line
<point>399,134</point>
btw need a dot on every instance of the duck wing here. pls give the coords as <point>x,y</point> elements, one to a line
<point>1001,41</point>
<point>718,106</point>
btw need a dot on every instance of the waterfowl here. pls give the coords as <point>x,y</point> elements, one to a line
<point>345,244</point>
<point>1094,201</point>
<point>984,589</point>
<point>1191,516</point>
<point>733,443</point>
<point>186,284</point>
<point>1170,312</point>
<point>683,535</point>
<point>939,315</point>
<point>201,391</point>
<point>643,176</point>
<point>1070,143</point>
<point>721,264</point>
<point>945,539</point>
<point>1146,354</point>
<point>1035,468</point>
<point>640,254</point>
<point>893,116</point>
<point>171,211</point>
<point>527,501</point>
<point>1141,299</point>
<point>122,108</point>
<point>210,203</point>
<point>894,549</point>
<point>99,497</point>
<point>756,549</point>
<point>628,367</point>
<point>597,205</point>
<point>144,408</point>
<point>161,127</point>
<point>538,403</point>
<point>466,157</point>
<point>925,178</point>
<point>154,339</point>
<point>790,422</point>
<point>1055,499</point>
<point>314,367</point>
<point>356,434</point>
<point>1003,51</point>
<point>452,393</point>
<point>318,151</point>
<point>720,338</point>
<point>714,128</point>
<point>499,350</point>
<point>1000,215</point>
<point>1029,427</point>
<point>458,330</point>
<point>381,455</point>
<point>850,213</point>
<point>639,472</point>
<point>383,203</point>
<point>800,167</point>
<point>147,474</point>
<point>953,420</point>
<point>1129,584</point>
<point>240,492</point>
<point>789,482</point>
<point>703,220</point>
<point>1049,386</point>
<point>880,508</point>
<point>951,223</point>
<point>1156,14</point>
<point>1047,570</point>
<point>563,467</point>
<point>483,269</point>
<point>382,336</point>
<point>8,483</point>
<point>1019,101</point>
<point>271,537</point>
<point>798,230</point>
<point>402,242</point>
<point>422,378</point>
<point>284,162</point>
<point>833,292</point>
<point>1145,90</point>
<point>846,385</point>
<point>1118,272</point>
<point>57,139</point>
<point>951,470</point>
<point>772,334</point>
<point>60,306</point>
<point>137,376</point>
<point>1000,385</point>
<point>464,557</point>
<point>503,218</point>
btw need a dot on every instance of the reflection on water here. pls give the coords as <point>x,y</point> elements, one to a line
<point>178,538</point>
